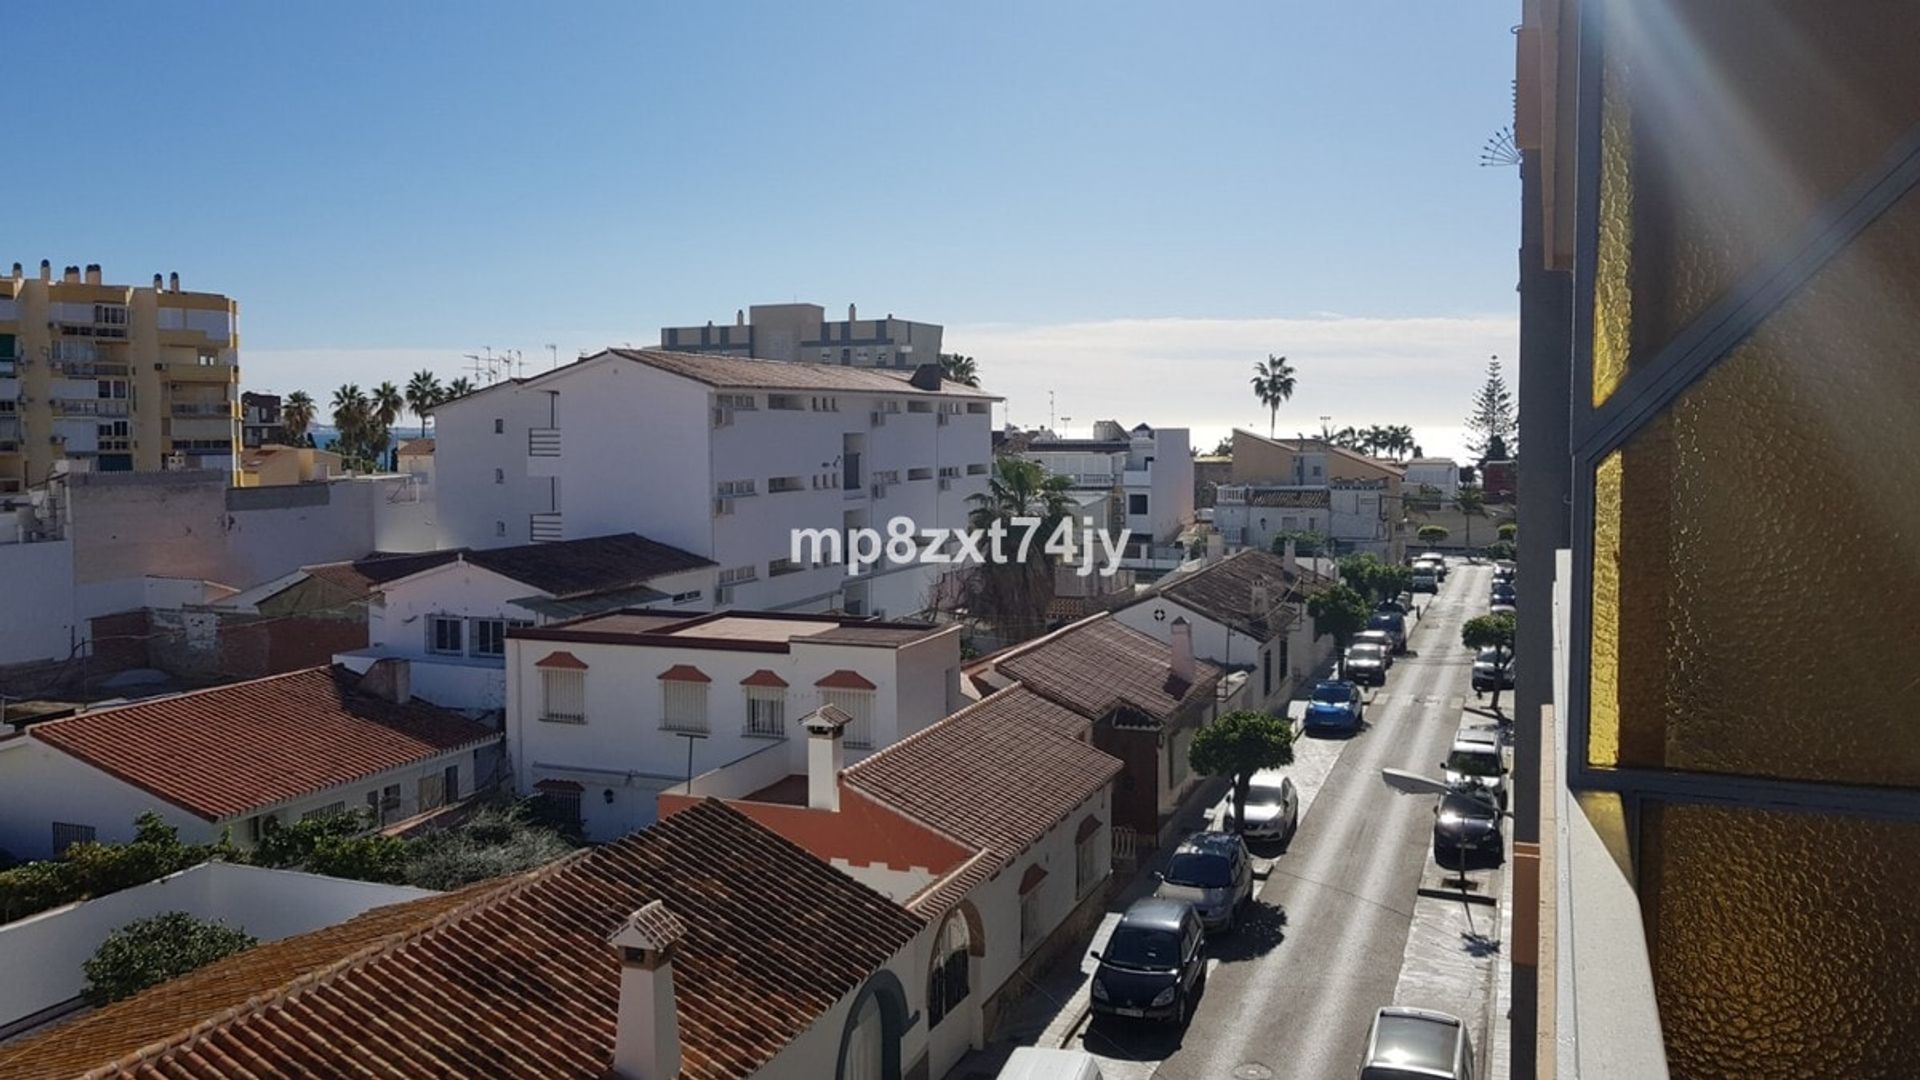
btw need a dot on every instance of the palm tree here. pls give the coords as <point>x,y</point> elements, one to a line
<point>1471,503</point>
<point>296,415</point>
<point>1403,443</point>
<point>1273,385</point>
<point>1020,488</point>
<point>350,414</point>
<point>459,387</point>
<point>423,393</point>
<point>388,404</point>
<point>960,369</point>
<point>1010,594</point>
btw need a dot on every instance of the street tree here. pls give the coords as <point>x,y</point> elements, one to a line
<point>1273,385</point>
<point>148,952</point>
<point>1339,613</point>
<point>1471,502</point>
<point>1492,430</point>
<point>1238,745</point>
<point>1491,632</point>
<point>1434,534</point>
<point>296,415</point>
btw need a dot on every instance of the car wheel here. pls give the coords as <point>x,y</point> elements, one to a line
<point>1293,821</point>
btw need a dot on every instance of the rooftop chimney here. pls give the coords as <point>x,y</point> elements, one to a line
<point>826,755</point>
<point>1260,602</point>
<point>159,283</point>
<point>389,679</point>
<point>646,1040</point>
<point>18,272</point>
<point>1182,667</point>
<point>925,377</point>
<point>851,314</point>
<point>173,281</point>
<point>739,316</point>
<point>93,273</point>
<point>1289,560</point>
<point>46,270</point>
<point>1216,547</point>
<point>71,275</point>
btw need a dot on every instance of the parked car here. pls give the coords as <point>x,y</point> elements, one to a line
<point>1213,872</point>
<point>1406,1044</point>
<point>1503,593</point>
<point>1505,570</point>
<point>1377,637</point>
<point>1335,705</point>
<point>1273,808</point>
<point>1041,1063</point>
<point>1503,609</point>
<point>1466,830</point>
<point>1393,623</point>
<point>1438,560</point>
<point>1155,962</point>
<point>1475,762</point>
<point>1367,664</point>
<point>1491,671</point>
<point>1425,578</point>
<point>1395,603</point>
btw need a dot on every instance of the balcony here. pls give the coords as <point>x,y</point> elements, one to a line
<point>90,369</point>
<point>90,407</point>
<point>214,373</point>
<point>221,409</point>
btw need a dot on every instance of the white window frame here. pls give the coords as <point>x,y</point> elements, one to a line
<point>434,625</point>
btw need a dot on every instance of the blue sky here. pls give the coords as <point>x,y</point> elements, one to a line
<point>1188,187</point>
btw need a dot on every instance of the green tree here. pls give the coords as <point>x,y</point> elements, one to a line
<point>1491,427</point>
<point>960,369</point>
<point>1434,534</point>
<point>1339,613</point>
<point>352,420</point>
<point>1012,595</point>
<point>1471,502</point>
<point>494,841</point>
<point>1224,448</point>
<point>1491,632</point>
<point>148,952</point>
<point>1501,549</point>
<point>1238,745</point>
<point>1306,545</point>
<point>459,387</point>
<point>296,416</point>
<point>423,393</point>
<point>1509,531</point>
<point>1273,385</point>
<point>338,845</point>
<point>1373,579</point>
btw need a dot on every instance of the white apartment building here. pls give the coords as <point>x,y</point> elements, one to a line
<point>1440,474</point>
<point>609,711</point>
<point>1149,472</point>
<point>1356,514</point>
<point>801,332</point>
<point>449,620</point>
<point>723,457</point>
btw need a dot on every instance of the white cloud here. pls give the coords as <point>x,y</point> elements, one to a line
<point>1196,372</point>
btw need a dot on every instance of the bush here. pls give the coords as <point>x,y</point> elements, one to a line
<point>1306,545</point>
<point>91,869</point>
<point>148,952</point>
<point>495,841</point>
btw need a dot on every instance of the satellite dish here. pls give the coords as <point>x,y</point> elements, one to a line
<point>1409,783</point>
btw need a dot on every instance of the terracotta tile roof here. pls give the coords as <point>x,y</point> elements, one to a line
<point>1289,500</point>
<point>685,673</point>
<point>763,677</point>
<point>514,977</point>
<point>224,752</point>
<point>1224,592</point>
<point>1017,704</point>
<point>986,777</point>
<point>735,371</point>
<point>416,447</point>
<point>560,658</point>
<point>844,679</point>
<point>1097,665</point>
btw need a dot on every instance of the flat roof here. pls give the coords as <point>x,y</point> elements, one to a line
<point>750,631</point>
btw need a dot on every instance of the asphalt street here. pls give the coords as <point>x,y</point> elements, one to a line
<point>1292,990</point>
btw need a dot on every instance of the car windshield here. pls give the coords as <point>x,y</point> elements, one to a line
<point>1488,656</point>
<point>1144,948</point>
<point>1386,620</point>
<point>1474,762</point>
<point>1199,870</point>
<point>1367,651</point>
<point>1332,693</point>
<point>1265,794</point>
<point>1459,804</point>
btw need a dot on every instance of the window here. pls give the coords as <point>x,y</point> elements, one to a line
<point>490,635</point>
<point>919,474</point>
<point>499,426</point>
<point>383,803</point>
<point>785,483</point>
<point>66,835</point>
<point>329,810</point>
<point>859,705</point>
<point>450,782</point>
<point>499,528</point>
<point>789,402</point>
<point>563,804</point>
<point>783,565</point>
<point>1266,672</point>
<point>732,489</point>
<point>737,574</point>
<point>1136,504</point>
<point>949,471</point>
<point>443,634</point>
<point>976,470</point>
<point>433,792</point>
<point>684,705</point>
<point>741,402</point>
<point>920,406</point>
<point>563,696</point>
<point>826,404</point>
<point>499,476</point>
<point>687,597</point>
<point>767,711</point>
<point>109,315</point>
<point>260,825</point>
<point>948,982</point>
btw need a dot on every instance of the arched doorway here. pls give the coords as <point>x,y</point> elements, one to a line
<point>870,1043</point>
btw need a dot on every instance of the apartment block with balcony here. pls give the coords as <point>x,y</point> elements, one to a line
<point>114,378</point>
<point>1140,480</point>
<point>802,333</point>
<point>614,709</point>
<point>724,457</point>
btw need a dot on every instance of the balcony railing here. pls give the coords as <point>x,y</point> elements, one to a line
<point>90,407</point>
<point>203,408</point>
<point>91,369</point>
<point>543,442</point>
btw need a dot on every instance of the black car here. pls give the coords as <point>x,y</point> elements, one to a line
<point>1394,604</point>
<point>1467,831</point>
<point>1503,593</point>
<point>1154,965</point>
<point>1393,623</point>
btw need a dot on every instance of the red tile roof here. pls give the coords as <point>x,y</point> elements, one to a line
<point>227,751</point>
<point>1100,664</point>
<point>844,679</point>
<point>514,977</point>
<point>1223,592</point>
<point>685,673</point>
<point>763,677</point>
<point>561,659</point>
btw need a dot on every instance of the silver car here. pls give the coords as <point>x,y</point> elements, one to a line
<point>1273,808</point>
<point>1213,872</point>
<point>1417,1044</point>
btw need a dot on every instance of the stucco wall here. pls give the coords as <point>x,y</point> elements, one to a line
<point>37,616</point>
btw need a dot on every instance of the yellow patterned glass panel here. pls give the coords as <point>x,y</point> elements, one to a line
<point>1768,545</point>
<point>1783,944</point>
<point>1603,692</point>
<point>1726,124</point>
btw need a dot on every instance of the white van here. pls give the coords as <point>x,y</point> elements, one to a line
<point>1033,1063</point>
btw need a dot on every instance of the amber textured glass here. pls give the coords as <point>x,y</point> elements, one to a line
<point>1769,541</point>
<point>1726,125</point>
<point>1603,695</point>
<point>1783,944</point>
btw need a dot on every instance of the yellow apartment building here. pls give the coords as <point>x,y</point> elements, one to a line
<point>114,378</point>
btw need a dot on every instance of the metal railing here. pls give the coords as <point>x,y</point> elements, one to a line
<point>543,442</point>
<point>90,407</point>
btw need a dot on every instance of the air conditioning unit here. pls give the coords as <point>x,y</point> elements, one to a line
<point>722,507</point>
<point>944,418</point>
<point>723,594</point>
<point>722,416</point>
<point>946,483</point>
<point>877,418</point>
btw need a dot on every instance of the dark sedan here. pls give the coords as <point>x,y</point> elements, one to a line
<point>1154,965</point>
<point>1467,831</point>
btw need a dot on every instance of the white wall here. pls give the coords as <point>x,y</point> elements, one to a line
<point>37,616</point>
<point>466,453</point>
<point>269,904</point>
<point>398,620</point>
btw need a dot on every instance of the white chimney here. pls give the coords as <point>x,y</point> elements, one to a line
<point>646,1039</point>
<point>1182,666</point>
<point>1289,561</point>
<point>70,276</point>
<point>851,313</point>
<point>46,270</point>
<point>1260,601</point>
<point>739,316</point>
<point>159,283</point>
<point>93,273</point>
<point>173,281</point>
<point>826,755</point>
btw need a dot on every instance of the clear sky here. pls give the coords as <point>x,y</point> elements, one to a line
<point>1125,203</point>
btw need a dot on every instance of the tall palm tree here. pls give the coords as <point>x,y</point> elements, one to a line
<point>1020,488</point>
<point>388,403</point>
<point>960,369</point>
<point>1273,385</point>
<point>459,387</point>
<point>423,393</point>
<point>296,415</point>
<point>1012,595</point>
<point>1471,502</point>
<point>351,411</point>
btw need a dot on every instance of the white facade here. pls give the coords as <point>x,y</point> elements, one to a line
<point>1358,515</point>
<point>1274,668</point>
<point>1149,470</point>
<point>611,445</point>
<point>41,786</point>
<point>625,741</point>
<point>1441,474</point>
<point>801,332</point>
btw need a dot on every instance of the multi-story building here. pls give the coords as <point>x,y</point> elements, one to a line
<point>260,423</point>
<point>1717,797</point>
<point>1441,474</point>
<point>116,378</point>
<point>1310,485</point>
<point>623,706</point>
<point>723,457</point>
<point>801,332</point>
<point>1146,475</point>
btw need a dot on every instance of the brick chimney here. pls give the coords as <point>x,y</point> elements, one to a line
<point>1182,664</point>
<point>646,1040</point>
<point>826,755</point>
